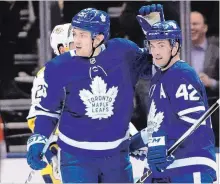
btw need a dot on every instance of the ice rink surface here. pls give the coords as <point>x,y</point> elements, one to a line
<point>17,170</point>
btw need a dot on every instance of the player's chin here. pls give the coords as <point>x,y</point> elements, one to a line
<point>80,53</point>
<point>160,63</point>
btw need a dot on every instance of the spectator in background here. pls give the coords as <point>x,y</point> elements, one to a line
<point>211,11</point>
<point>205,60</point>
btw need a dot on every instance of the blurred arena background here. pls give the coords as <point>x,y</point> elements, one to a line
<point>25,28</point>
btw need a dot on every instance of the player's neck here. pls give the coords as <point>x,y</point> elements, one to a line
<point>97,51</point>
<point>173,61</point>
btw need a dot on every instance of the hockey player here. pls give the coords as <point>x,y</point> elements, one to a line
<point>96,82</point>
<point>61,41</point>
<point>177,100</point>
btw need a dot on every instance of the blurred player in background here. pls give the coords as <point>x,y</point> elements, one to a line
<point>61,41</point>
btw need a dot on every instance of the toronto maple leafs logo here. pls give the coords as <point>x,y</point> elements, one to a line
<point>103,18</point>
<point>82,14</point>
<point>154,119</point>
<point>99,102</point>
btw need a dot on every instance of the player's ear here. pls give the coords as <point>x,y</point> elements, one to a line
<point>98,39</point>
<point>175,48</point>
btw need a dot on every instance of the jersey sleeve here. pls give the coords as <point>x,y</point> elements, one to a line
<point>47,99</point>
<point>187,97</point>
<point>137,59</point>
<point>31,115</point>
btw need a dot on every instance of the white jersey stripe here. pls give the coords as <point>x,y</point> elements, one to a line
<point>190,161</point>
<point>191,110</point>
<point>190,120</point>
<point>37,113</point>
<point>93,145</point>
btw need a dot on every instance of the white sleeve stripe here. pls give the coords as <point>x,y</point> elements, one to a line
<point>190,161</point>
<point>190,110</point>
<point>190,120</point>
<point>93,145</point>
<point>47,114</point>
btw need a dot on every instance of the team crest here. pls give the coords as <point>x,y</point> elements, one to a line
<point>99,101</point>
<point>82,14</point>
<point>154,119</point>
<point>103,18</point>
<point>58,30</point>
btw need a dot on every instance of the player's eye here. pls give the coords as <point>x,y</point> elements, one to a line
<point>83,35</point>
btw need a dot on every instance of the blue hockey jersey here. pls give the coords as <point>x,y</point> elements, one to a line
<point>177,100</point>
<point>96,94</point>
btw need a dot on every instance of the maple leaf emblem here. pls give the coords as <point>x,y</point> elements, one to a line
<point>103,18</point>
<point>154,119</point>
<point>99,102</point>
